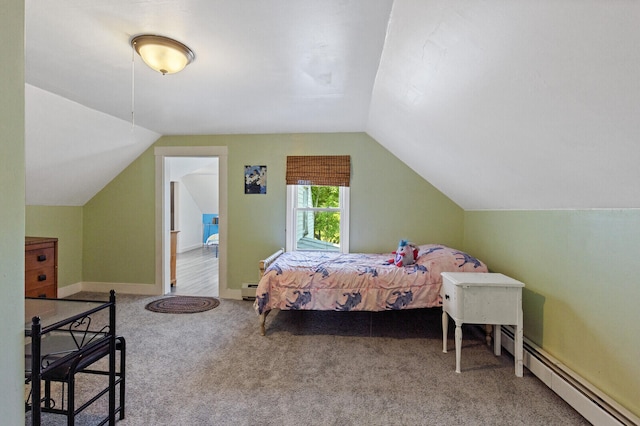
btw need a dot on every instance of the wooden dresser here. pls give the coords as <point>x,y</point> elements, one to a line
<point>41,267</point>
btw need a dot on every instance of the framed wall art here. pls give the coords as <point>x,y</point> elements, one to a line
<point>255,179</point>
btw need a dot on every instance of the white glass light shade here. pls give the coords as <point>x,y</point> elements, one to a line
<point>165,55</point>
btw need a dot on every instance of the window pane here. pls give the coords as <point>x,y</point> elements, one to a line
<point>318,231</point>
<point>321,197</point>
<point>325,196</point>
<point>304,196</point>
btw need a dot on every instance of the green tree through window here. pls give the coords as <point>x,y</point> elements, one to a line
<point>326,224</point>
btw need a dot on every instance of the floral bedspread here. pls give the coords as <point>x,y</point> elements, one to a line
<point>359,281</point>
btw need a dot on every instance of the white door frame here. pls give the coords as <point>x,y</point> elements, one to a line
<point>162,253</point>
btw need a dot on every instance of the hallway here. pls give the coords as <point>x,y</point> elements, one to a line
<point>197,273</point>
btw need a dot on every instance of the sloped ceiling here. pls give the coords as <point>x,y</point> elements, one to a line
<point>514,105</point>
<point>500,105</point>
<point>199,175</point>
<point>73,151</point>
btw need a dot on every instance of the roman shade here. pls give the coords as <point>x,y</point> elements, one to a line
<point>327,170</point>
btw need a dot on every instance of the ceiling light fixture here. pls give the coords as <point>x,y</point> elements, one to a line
<point>163,54</point>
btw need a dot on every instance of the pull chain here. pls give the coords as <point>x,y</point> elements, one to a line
<point>133,86</point>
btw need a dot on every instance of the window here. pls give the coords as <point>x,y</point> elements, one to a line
<point>318,203</point>
<point>318,218</point>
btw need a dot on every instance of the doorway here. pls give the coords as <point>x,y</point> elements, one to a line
<point>193,183</point>
<point>163,213</point>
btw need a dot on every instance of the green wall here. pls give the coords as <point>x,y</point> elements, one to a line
<point>119,227</point>
<point>580,297</point>
<point>582,290</point>
<point>64,223</point>
<point>12,221</point>
<point>119,222</point>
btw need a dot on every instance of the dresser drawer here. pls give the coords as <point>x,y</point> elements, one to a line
<point>41,267</point>
<point>40,277</point>
<point>38,258</point>
<point>451,298</point>
<point>47,291</point>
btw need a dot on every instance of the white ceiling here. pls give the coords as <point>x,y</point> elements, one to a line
<point>499,104</point>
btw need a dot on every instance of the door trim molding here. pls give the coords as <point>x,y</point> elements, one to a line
<point>162,218</point>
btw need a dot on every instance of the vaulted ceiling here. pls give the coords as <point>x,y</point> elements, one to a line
<point>499,104</point>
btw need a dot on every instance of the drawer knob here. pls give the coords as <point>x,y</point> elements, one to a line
<point>42,277</point>
<point>42,257</point>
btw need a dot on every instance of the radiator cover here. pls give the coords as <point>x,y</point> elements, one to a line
<point>249,291</point>
<point>590,402</point>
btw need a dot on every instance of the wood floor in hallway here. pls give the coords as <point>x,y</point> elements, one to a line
<point>197,273</point>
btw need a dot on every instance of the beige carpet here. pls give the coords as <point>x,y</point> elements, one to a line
<point>318,368</point>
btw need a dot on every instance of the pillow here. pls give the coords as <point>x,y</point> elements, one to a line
<point>424,251</point>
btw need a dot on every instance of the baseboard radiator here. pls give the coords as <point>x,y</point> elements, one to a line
<point>591,403</point>
<point>249,291</point>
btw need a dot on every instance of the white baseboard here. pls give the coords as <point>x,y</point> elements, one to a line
<point>125,288</point>
<point>129,288</point>
<point>102,287</point>
<point>231,293</point>
<point>189,248</point>
<point>590,402</point>
<point>68,290</point>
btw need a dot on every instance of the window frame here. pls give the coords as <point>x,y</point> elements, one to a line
<point>291,214</point>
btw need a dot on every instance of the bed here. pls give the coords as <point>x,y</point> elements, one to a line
<point>327,281</point>
<point>213,240</point>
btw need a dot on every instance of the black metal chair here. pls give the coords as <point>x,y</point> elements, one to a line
<point>80,364</point>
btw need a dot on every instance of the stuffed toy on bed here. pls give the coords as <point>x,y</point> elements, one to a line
<point>406,254</point>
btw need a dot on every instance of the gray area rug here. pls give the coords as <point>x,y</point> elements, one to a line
<point>317,368</point>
